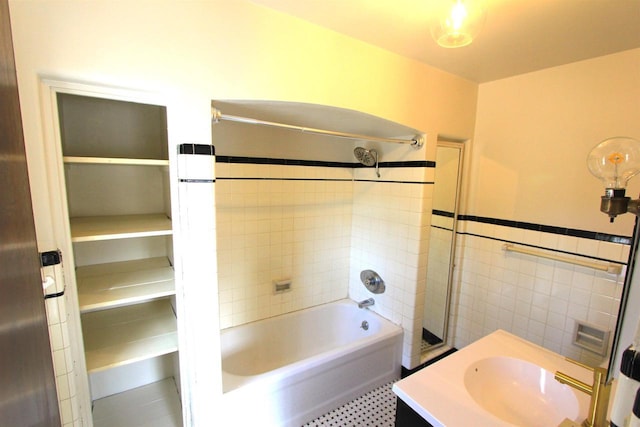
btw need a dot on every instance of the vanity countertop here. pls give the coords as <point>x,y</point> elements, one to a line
<point>439,395</point>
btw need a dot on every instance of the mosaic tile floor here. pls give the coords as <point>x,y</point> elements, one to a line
<point>375,409</point>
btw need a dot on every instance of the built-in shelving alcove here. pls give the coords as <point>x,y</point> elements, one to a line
<point>116,174</point>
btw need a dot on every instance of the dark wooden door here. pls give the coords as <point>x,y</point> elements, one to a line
<point>27,382</point>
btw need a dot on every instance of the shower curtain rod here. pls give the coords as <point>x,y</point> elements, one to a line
<point>416,142</point>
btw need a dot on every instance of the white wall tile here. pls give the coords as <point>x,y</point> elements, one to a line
<point>550,296</point>
<point>612,251</point>
<point>282,229</point>
<point>323,233</point>
<point>192,166</point>
<point>588,247</point>
<point>60,347</point>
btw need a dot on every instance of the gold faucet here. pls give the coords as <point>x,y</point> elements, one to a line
<point>599,392</point>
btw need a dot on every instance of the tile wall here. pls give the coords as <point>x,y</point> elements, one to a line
<point>390,236</point>
<point>60,342</point>
<point>277,222</point>
<point>320,224</point>
<point>535,298</point>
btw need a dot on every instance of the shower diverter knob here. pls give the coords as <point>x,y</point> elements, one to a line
<point>372,281</point>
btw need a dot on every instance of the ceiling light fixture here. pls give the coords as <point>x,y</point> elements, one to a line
<point>458,22</point>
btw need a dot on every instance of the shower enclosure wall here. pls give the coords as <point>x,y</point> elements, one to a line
<point>301,207</point>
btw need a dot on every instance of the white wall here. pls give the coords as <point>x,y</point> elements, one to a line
<point>202,50</point>
<point>534,132</point>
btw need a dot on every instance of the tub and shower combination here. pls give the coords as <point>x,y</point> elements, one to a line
<point>287,370</point>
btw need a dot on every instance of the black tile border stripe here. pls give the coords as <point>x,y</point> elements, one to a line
<point>624,240</point>
<point>322,163</point>
<point>199,181</point>
<point>403,164</point>
<point>207,150</point>
<point>442,213</point>
<point>257,178</point>
<point>281,162</point>
<point>395,182</point>
<point>442,228</point>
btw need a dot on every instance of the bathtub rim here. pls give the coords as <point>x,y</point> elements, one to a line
<point>278,378</point>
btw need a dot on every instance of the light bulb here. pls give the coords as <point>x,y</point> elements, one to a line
<point>458,22</point>
<point>614,161</point>
<point>458,14</point>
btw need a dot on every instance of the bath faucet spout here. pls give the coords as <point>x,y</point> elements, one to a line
<point>599,392</point>
<point>366,303</point>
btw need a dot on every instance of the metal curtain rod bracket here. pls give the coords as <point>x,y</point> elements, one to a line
<point>609,268</point>
<point>216,115</point>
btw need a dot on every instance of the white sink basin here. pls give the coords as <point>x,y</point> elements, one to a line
<point>500,380</point>
<point>520,392</point>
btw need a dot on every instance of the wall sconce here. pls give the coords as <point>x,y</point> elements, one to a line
<point>458,22</point>
<point>614,161</point>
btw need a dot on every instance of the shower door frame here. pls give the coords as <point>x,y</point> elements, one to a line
<point>460,146</point>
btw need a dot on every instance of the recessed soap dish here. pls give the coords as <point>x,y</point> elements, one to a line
<point>280,286</point>
<point>591,337</point>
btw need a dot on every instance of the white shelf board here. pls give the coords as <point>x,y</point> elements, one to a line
<point>116,284</point>
<point>128,334</point>
<point>156,404</point>
<point>115,161</point>
<point>94,228</point>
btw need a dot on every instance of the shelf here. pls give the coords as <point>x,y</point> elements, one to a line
<point>115,161</point>
<point>94,228</point>
<point>124,335</point>
<point>156,404</point>
<point>116,284</point>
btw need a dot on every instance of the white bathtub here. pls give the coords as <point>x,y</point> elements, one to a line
<point>290,369</point>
